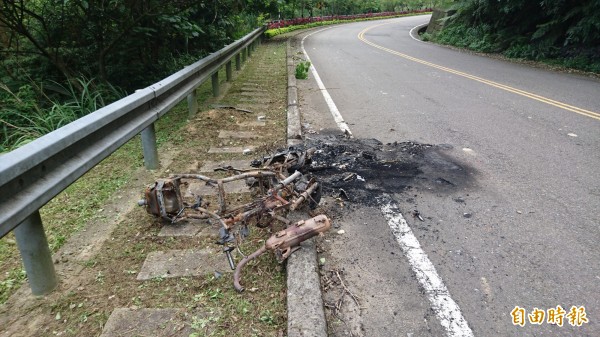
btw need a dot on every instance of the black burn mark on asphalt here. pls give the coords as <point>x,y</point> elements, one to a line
<point>360,170</point>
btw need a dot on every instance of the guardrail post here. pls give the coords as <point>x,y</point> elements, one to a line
<point>149,148</point>
<point>238,62</point>
<point>36,255</point>
<point>249,50</point>
<point>228,71</point>
<point>192,100</point>
<point>215,84</point>
<point>244,54</point>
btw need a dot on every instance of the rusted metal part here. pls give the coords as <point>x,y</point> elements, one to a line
<point>238,269</point>
<point>163,199</point>
<point>285,242</point>
<point>221,195</point>
<point>245,175</point>
<point>288,180</point>
<point>168,203</point>
<point>290,160</point>
<point>227,250</point>
<point>305,195</point>
<point>208,180</point>
<point>213,215</point>
<point>242,214</point>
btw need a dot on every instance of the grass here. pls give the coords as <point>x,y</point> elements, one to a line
<point>30,113</point>
<point>210,306</point>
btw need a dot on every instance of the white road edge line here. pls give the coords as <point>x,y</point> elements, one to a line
<point>442,304</point>
<point>412,35</point>
<point>337,116</point>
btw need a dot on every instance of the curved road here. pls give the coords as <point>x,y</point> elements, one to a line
<point>522,231</point>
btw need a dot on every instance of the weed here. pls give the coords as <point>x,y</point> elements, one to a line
<point>482,38</point>
<point>30,113</point>
<point>200,325</point>
<point>158,279</point>
<point>13,280</point>
<point>100,277</point>
<point>214,294</point>
<point>267,317</point>
<point>84,317</point>
<point>198,297</point>
<point>243,307</point>
<point>91,263</point>
<point>302,70</point>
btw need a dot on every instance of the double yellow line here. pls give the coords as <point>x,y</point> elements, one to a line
<point>584,112</point>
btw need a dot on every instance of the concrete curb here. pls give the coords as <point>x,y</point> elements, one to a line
<point>306,316</point>
<point>294,129</point>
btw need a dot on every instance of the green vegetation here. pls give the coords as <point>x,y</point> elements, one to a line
<point>304,8</point>
<point>62,60</point>
<point>283,30</point>
<point>302,70</point>
<point>24,118</point>
<point>565,33</point>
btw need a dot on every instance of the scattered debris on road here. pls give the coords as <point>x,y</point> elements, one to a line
<point>417,215</point>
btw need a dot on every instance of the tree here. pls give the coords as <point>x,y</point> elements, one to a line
<point>123,42</point>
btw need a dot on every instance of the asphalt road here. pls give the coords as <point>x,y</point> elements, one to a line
<point>520,228</point>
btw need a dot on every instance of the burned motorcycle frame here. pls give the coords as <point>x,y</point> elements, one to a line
<point>277,193</point>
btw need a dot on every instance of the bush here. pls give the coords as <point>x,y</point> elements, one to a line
<point>302,70</point>
<point>32,112</point>
<point>304,23</point>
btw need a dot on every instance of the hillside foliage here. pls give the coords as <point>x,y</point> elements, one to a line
<point>566,32</point>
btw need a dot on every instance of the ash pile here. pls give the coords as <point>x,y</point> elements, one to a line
<point>357,170</point>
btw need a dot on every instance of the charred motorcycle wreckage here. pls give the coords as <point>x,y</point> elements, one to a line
<point>278,190</point>
<point>358,171</point>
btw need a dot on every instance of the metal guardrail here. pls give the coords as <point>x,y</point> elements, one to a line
<point>32,175</point>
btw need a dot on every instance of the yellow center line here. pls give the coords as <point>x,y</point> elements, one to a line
<point>561,105</point>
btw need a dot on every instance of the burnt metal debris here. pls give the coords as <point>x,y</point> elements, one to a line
<point>278,189</point>
<point>285,242</point>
